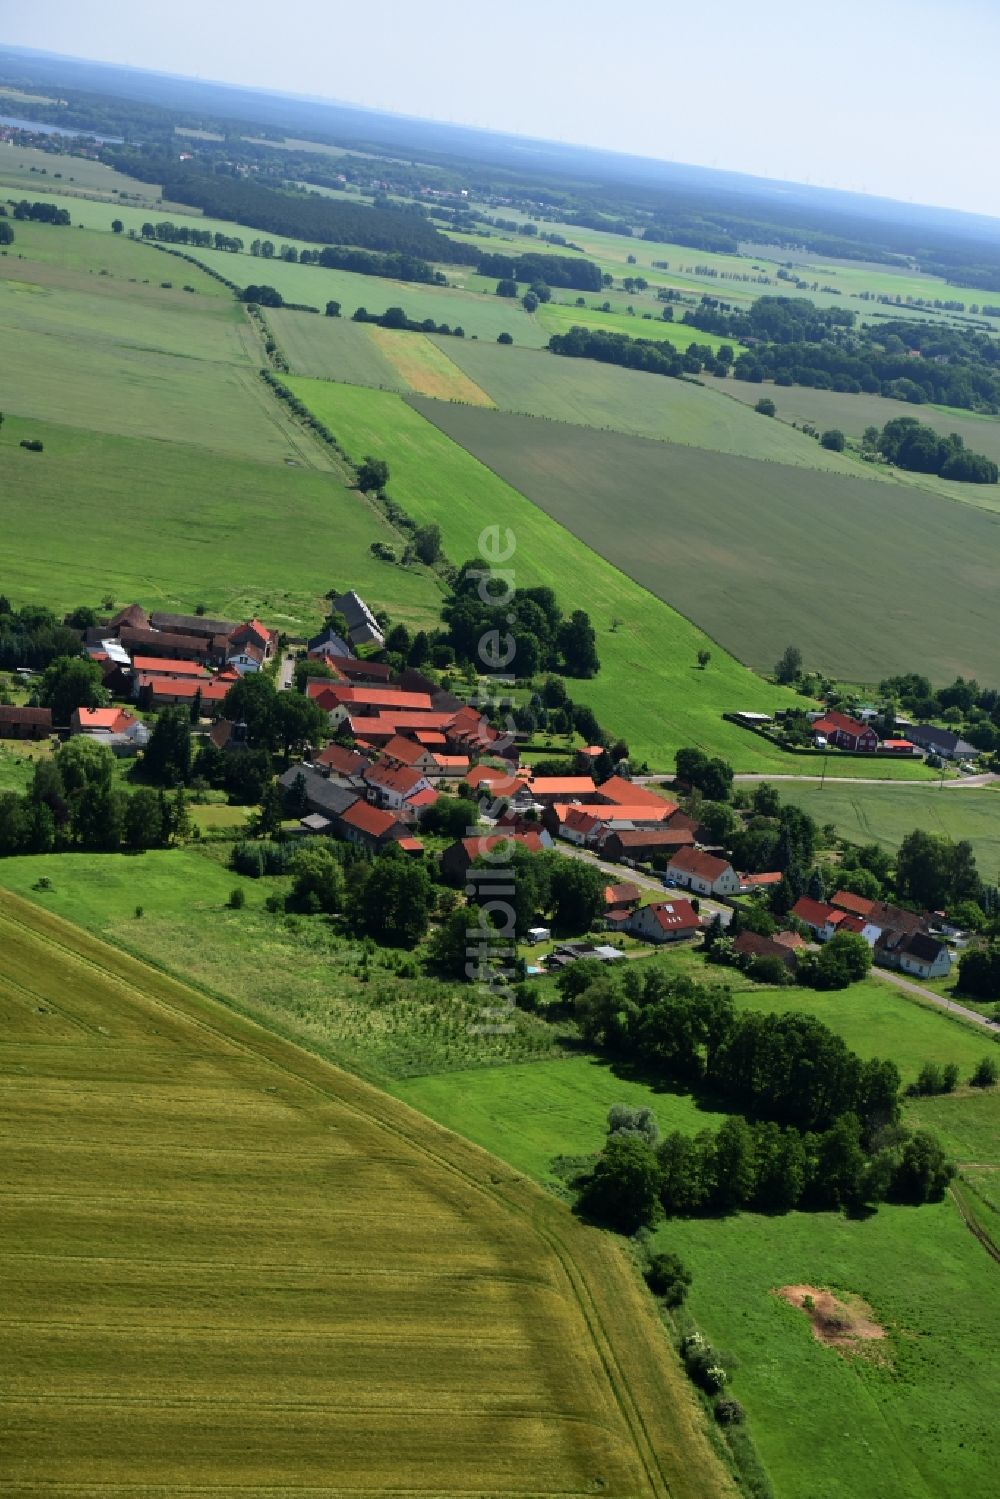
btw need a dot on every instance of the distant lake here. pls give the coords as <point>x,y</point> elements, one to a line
<point>12,120</point>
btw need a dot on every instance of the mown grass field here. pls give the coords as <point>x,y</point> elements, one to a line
<point>28,172</point>
<point>742,547</point>
<point>172,525</point>
<point>885,814</point>
<point>289,1280</point>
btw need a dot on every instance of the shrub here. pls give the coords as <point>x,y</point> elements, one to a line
<point>33,444</point>
<point>766,407</point>
<point>834,440</point>
<point>668,1277</point>
<point>237,898</point>
<point>729,1412</point>
<point>985,1074</point>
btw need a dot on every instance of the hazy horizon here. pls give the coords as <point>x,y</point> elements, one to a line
<point>869,108</point>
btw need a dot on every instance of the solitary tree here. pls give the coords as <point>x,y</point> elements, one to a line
<point>117,226</point>
<point>788,668</point>
<point>373,473</point>
<point>704,657</point>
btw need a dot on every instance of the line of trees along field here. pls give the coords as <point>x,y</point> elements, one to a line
<point>552,270</point>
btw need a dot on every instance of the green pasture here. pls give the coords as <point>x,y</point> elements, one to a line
<point>172,525</point>
<point>743,547</point>
<point>912,1421</point>
<point>532,1112</point>
<point>967,1121</point>
<point>885,814</point>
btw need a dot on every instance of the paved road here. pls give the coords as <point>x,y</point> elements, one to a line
<point>938,999</point>
<point>286,672</point>
<point>619,874</point>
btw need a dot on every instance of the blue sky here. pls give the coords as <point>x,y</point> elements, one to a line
<point>895,97</point>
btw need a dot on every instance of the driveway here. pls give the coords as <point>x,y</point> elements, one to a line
<point>286,672</point>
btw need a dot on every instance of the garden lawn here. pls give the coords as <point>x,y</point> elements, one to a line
<point>741,547</point>
<point>171,526</point>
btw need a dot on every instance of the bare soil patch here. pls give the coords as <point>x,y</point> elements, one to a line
<point>845,1323</point>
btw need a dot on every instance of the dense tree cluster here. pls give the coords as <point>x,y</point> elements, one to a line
<point>911,445</point>
<point>297,215</point>
<point>529,634</point>
<point>41,213</point>
<point>550,270</point>
<point>73,803</point>
<point>814,1125</point>
<point>33,636</point>
<point>651,355</point>
<point>395,317</point>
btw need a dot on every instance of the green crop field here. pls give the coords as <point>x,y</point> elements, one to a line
<point>228,1262</point>
<point>142,361</point>
<point>557,317</point>
<point>853,413</point>
<point>28,172</point>
<point>335,349</point>
<point>742,547</point>
<point>605,396</point>
<point>109,256</point>
<point>885,814</point>
<point>172,525</point>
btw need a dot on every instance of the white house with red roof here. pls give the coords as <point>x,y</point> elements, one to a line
<point>115,726</point>
<point>397,788</point>
<point>703,873</point>
<point>665,921</point>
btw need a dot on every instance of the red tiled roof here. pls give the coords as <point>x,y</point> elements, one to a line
<point>858,905</point>
<point>406,751</point>
<point>617,895</point>
<point>398,778</point>
<point>344,761</point>
<point>642,812</point>
<point>162,666</point>
<point>562,786</point>
<point>425,798</point>
<point>789,939</point>
<point>627,793</point>
<point>576,816</point>
<point>761,881</point>
<point>368,819</point>
<point>693,861</point>
<point>832,721</point>
<point>454,764</point>
<point>430,738</point>
<point>675,915</point>
<point>654,837</point>
<point>212,689</point>
<point>378,697</point>
<point>39,717</point>
<point>410,845</point>
<point>486,842</point>
<point>107,720</point>
<point>813,912</point>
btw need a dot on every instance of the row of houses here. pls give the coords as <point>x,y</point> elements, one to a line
<point>899,939</point>
<point>857,736</point>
